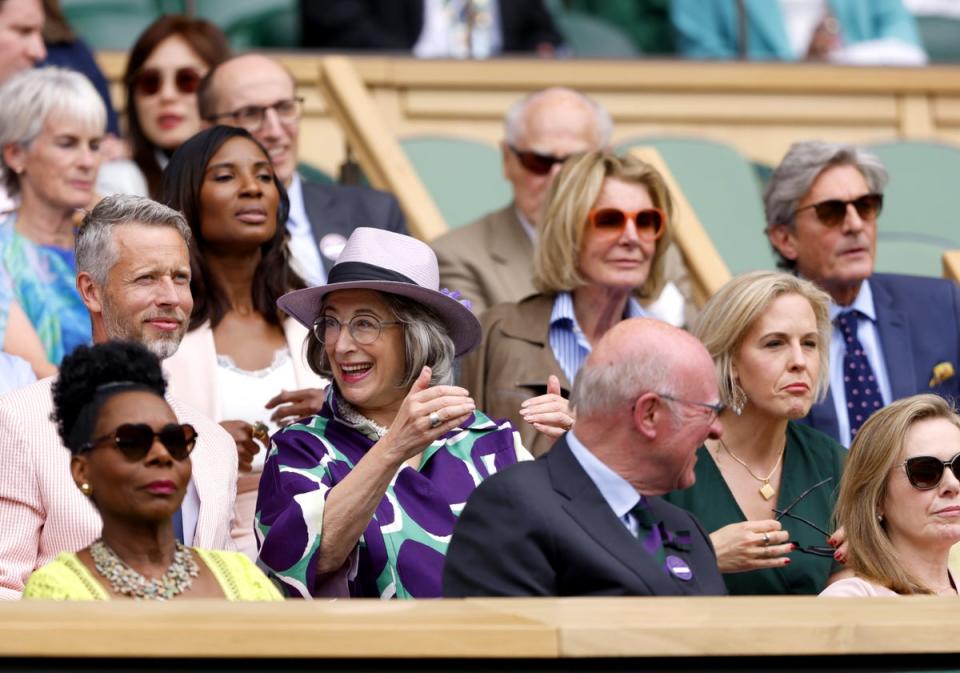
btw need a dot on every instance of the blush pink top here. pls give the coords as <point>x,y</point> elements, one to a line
<point>855,587</point>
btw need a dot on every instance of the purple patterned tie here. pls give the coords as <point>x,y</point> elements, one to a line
<point>859,381</point>
<point>649,531</point>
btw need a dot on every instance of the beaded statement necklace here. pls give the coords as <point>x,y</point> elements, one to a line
<point>361,423</point>
<point>128,582</point>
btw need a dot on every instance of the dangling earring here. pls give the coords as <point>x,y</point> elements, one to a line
<point>86,489</point>
<point>739,399</point>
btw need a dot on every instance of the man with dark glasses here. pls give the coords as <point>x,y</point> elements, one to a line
<point>257,93</point>
<point>491,260</point>
<point>894,335</point>
<point>133,274</point>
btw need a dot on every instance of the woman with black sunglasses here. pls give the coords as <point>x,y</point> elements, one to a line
<point>766,488</point>
<point>163,74</point>
<point>131,457</point>
<point>899,501</point>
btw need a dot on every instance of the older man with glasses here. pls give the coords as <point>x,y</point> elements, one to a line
<point>893,335</point>
<point>258,94</point>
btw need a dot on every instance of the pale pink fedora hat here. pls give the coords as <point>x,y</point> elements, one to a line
<point>375,259</point>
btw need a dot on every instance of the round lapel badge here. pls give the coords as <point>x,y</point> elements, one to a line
<point>679,568</point>
<point>331,246</point>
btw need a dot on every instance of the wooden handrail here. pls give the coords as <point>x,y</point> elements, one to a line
<point>377,150</point>
<point>707,269</point>
<point>951,265</point>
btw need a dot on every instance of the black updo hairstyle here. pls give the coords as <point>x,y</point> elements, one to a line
<point>90,375</point>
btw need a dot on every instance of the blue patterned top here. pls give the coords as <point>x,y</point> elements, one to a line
<point>44,280</point>
<point>567,341</point>
<point>401,552</point>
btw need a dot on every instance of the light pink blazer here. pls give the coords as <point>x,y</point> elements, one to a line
<point>43,513</point>
<point>192,370</point>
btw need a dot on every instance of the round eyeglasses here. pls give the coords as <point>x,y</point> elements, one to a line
<point>363,329</point>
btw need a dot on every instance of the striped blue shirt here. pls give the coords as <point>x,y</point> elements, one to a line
<point>567,341</point>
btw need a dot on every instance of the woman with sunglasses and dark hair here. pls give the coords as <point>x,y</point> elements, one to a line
<point>240,355</point>
<point>162,77</point>
<point>899,501</point>
<point>131,457</point>
<point>766,489</point>
<point>600,247</point>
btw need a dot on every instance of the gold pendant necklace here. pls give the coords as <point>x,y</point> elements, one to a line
<point>767,491</point>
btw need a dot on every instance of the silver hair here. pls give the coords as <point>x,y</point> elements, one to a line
<point>94,242</point>
<point>601,388</point>
<point>425,339</point>
<point>29,97</point>
<point>513,120</point>
<point>798,170</point>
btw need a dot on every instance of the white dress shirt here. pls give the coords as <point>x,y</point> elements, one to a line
<point>304,254</point>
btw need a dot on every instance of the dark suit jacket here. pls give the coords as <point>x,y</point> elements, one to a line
<point>396,24</point>
<point>918,320</point>
<point>339,209</point>
<point>542,528</point>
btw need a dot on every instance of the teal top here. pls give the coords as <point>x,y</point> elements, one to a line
<point>809,457</point>
<point>44,282</point>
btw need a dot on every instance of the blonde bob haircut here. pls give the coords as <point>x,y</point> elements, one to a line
<point>574,191</point>
<point>735,308</point>
<point>873,459</point>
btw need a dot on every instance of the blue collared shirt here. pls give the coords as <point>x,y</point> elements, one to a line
<point>617,491</point>
<point>870,339</point>
<point>567,341</point>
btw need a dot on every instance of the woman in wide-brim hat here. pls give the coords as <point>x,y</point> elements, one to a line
<point>361,498</point>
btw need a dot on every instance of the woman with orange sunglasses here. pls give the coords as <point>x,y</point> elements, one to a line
<point>599,250</point>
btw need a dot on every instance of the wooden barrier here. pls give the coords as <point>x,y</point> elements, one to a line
<point>759,108</point>
<point>951,265</point>
<point>491,630</point>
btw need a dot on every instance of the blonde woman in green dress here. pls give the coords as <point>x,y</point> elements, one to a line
<point>131,457</point>
<point>767,488</point>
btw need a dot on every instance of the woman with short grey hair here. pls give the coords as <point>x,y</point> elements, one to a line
<point>51,123</point>
<point>361,498</point>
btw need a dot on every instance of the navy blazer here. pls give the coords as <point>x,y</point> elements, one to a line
<point>918,321</point>
<point>542,528</point>
<point>339,209</point>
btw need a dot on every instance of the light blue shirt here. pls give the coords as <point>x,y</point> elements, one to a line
<point>567,341</point>
<point>617,491</point>
<point>302,245</point>
<point>870,339</point>
<point>14,373</point>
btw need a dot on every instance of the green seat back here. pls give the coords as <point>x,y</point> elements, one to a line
<point>722,188</point>
<point>254,23</point>
<point>110,24</point>
<point>941,38</point>
<point>919,220</point>
<point>464,177</point>
<point>590,37</point>
<point>311,173</point>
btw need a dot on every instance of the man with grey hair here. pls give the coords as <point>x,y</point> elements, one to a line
<point>585,518</point>
<point>894,335</point>
<point>133,273</point>
<point>490,261</point>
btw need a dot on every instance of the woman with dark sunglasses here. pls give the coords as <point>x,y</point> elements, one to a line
<point>131,457</point>
<point>600,249</point>
<point>163,74</point>
<point>766,488</point>
<point>899,501</point>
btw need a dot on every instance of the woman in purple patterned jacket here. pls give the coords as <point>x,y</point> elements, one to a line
<point>361,499</point>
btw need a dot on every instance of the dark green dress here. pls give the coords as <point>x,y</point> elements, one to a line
<point>809,457</point>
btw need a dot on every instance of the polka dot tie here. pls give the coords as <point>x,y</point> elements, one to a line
<point>859,381</point>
